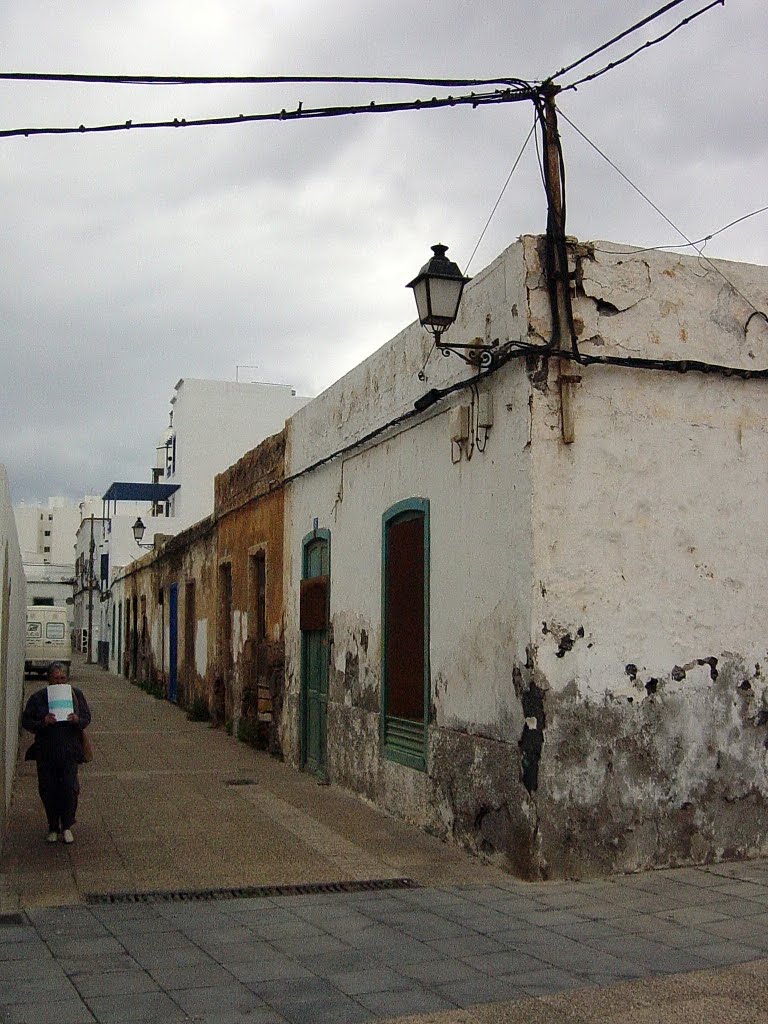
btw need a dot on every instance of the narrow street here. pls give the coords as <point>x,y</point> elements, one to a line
<point>172,809</point>
<point>172,804</point>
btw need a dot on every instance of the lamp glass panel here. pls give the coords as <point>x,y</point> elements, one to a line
<point>445,295</point>
<point>421,293</point>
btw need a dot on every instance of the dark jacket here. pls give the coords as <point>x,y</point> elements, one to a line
<point>60,742</point>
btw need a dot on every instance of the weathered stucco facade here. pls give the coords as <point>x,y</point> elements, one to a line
<point>13,606</point>
<point>594,617</point>
<point>200,617</point>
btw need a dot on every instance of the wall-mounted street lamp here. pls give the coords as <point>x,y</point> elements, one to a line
<point>138,532</point>
<point>437,289</point>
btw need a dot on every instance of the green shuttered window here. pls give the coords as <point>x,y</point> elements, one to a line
<point>405,631</point>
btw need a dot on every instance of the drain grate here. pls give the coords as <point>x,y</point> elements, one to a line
<point>246,892</point>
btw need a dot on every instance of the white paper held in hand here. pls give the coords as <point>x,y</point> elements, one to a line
<point>61,702</point>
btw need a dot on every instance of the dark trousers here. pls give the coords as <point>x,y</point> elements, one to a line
<point>58,788</point>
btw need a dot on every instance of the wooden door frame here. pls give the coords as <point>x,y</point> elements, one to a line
<point>325,536</point>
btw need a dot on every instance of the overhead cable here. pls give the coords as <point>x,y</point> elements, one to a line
<point>501,195</point>
<point>23,76</point>
<point>251,80</point>
<point>302,113</point>
<point>645,46</point>
<point>683,245</point>
<point>622,35</point>
<point>661,213</point>
<point>643,363</point>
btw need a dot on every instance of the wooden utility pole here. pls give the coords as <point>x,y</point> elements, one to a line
<point>558,269</point>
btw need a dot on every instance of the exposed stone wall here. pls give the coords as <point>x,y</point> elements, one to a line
<point>257,472</point>
<point>246,533</point>
<point>189,557</point>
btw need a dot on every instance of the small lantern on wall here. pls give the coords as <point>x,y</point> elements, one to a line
<point>438,288</point>
<point>138,533</point>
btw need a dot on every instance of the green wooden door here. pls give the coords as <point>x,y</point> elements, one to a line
<point>315,600</point>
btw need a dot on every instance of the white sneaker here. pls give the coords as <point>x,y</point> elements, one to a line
<point>67,836</point>
<point>52,837</point>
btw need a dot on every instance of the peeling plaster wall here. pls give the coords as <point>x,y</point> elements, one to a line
<point>189,556</point>
<point>597,653</point>
<point>250,506</point>
<point>650,555</point>
<point>248,519</point>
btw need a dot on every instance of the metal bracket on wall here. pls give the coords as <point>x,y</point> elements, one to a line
<point>567,383</point>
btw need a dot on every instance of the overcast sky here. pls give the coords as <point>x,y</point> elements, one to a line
<point>136,258</point>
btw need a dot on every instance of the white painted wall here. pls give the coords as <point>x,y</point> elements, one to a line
<point>57,518</point>
<point>665,485</point>
<point>480,602</point>
<point>12,638</point>
<point>215,423</point>
<point>89,531</point>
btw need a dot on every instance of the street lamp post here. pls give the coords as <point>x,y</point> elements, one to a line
<point>438,288</point>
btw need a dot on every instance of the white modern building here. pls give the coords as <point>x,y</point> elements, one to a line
<point>47,531</point>
<point>212,424</point>
<point>46,538</point>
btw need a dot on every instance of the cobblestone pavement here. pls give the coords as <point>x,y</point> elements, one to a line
<point>467,944</point>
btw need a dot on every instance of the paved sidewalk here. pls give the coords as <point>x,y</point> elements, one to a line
<point>173,804</point>
<point>469,945</point>
<point>376,955</point>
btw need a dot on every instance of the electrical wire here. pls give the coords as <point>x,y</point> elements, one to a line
<point>642,363</point>
<point>501,195</point>
<point>661,213</point>
<point>645,46</point>
<point>300,113</point>
<point>22,76</point>
<point>683,245</point>
<point>616,39</point>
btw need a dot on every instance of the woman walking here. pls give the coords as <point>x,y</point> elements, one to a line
<point>58,750</point>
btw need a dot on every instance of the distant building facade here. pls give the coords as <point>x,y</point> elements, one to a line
<point>200,617</point>
<point>214,423</point>
<point>91,576</point>
<point>47,539</point>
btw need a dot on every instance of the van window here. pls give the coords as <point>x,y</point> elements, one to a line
<point>34,630</point>
<point>54,630</point>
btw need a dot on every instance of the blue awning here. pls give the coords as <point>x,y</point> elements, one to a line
<point>140,492</point>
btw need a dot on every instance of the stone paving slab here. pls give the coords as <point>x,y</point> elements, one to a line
<point>469,946</point>
<point>290,959</point>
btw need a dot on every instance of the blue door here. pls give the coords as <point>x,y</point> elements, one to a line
<point>173,626</point>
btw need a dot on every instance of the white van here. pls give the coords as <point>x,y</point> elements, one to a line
<point>47,638</point>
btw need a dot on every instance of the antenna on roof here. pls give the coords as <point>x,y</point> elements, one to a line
<point>244,366</point>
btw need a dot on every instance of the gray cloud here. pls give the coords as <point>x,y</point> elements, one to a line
<point>131,260</point>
